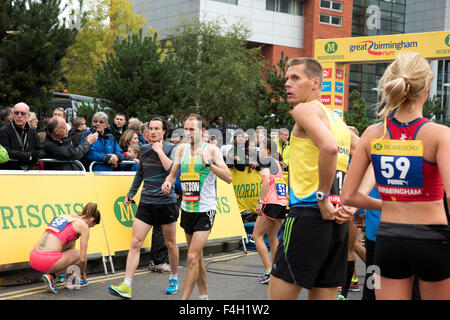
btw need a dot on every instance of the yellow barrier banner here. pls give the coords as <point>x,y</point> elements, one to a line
<point>28,204</point>
<point>247,186</point>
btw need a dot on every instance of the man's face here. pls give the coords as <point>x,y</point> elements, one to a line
<point>61,131</point>
<point>58,113</point>
<point>119,121</point>
<point>193,130</point>
<point>20,114</point>
<point>298,86</point>
<point>156,131</point>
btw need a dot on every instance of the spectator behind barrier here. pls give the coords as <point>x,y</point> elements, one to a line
<point>21,141</point>
<point>283,147</point>
<point>132,155</point>
<point>79,126</point>
<point>5,116</point>
<point>129,137</point>
<point>238,155</point>
<point>105,150</point>
<point>3,155</point>
<point>58,146</point>
<point>33,121</point>
<point>60,112</point>
<point>136,125</point>
<point>119,125</point>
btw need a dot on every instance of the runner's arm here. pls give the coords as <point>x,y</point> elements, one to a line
<point>176,166</point>
<point>219,167</point>
<point>442,156</point>
<point>353,194</point>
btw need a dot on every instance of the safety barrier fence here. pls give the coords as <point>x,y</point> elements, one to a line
<point>30,199</point>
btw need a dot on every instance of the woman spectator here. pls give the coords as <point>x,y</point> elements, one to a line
<point>79,126</point>
<point>129,137</point>
<point>33,121</point>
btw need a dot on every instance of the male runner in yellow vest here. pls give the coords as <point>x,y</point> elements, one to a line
<point>200,164</point>
<point>313,250</point>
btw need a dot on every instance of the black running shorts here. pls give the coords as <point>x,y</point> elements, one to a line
<point>312,252</point>
<point>404,250</point>
<point>274,211</point>
<point>197,221</point>
<point>157,214</point>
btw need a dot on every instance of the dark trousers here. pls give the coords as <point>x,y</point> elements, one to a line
<point>158,251</point>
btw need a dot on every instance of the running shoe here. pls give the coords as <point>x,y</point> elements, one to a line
<point>264,278</point>
<point>50,284</point>
<point>60,279</point>
<point>341,297</point>
<point>162,267</point>
<point>77,283</point>
<point>122,290</point>
<point>354,286</point>
<point>173,287</point>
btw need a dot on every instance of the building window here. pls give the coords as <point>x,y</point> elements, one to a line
<point>286,6</point>
<point>333,20</point>
<point>331,5</point>
<point>228,1</point>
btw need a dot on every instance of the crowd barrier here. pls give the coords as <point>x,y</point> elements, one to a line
<point>30,200</point>
<point>247,186</point>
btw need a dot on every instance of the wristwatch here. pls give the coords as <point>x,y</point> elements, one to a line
<point>260,201</point>
<point>210,162</point>
<point>321,196</point>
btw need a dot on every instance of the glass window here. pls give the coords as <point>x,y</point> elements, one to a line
<point>324,18</point>
<point>285,6</point>
<point>398,8</point>
<point>336,21</point>
<point>337,6</point>
<point>270,5</point>
<point>333,20</point>
<point>331,5</point>
<point>228,1</point>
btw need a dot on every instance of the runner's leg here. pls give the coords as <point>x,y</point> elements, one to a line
<point>436,290</point>
<point>169,231</point>
<point>262,226</point>
<point>139,232</point>
<point>393,289</point>
<point>282,290</point>
<point>196,243</point>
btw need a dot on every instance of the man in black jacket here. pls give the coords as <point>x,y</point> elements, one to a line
<point>58,146</point>
<point>21,141</point>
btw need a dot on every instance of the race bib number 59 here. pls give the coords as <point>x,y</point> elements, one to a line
<point>398,167</point>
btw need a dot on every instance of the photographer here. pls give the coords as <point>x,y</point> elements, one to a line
<point>105,150</point>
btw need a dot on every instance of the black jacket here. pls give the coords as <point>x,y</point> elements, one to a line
<point>64,150</point>
<point>22,145</point>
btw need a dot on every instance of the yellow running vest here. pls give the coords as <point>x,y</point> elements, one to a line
<point>304,159</point>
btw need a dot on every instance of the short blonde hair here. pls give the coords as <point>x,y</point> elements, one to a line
<point>405,79</point>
